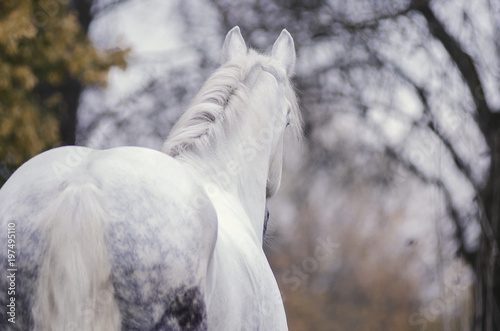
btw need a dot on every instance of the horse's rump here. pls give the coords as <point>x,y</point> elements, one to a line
<point>116,233</point>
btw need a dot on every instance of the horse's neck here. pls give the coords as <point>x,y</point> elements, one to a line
<point>237,170</point>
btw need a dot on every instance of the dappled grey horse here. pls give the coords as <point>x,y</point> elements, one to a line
<point>137,239</point>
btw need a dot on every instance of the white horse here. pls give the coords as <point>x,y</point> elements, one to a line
<point>136,239</point>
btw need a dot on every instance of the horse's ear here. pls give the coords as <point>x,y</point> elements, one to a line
<point>234,45</point>
<point>284,51</point>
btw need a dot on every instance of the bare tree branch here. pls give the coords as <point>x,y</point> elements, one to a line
<point>452,210</point>
<point>464,63</point>
<point>431,122</point>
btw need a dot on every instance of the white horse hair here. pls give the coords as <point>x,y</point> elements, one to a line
<point>135,239</point>
<point>216,107</point>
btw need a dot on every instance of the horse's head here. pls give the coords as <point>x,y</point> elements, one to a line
<point>233,132</point>
<point>272,95</point>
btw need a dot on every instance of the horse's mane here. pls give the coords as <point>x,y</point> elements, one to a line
<point>217,107</point>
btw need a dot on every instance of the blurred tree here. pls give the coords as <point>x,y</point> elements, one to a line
<point>423,75</point>
<point>45,59</point>
<point>372,279</point>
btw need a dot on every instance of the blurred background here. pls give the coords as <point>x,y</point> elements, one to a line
<point>388,215</point>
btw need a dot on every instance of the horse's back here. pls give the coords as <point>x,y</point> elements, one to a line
<point>158,238</point>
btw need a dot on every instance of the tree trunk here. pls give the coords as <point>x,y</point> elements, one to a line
<point>484,262</point>
<point>487,263</point>
<point>71,91</point>
<point>72,88</point>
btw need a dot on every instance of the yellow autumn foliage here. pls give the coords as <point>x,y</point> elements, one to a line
<point>41,44</point>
